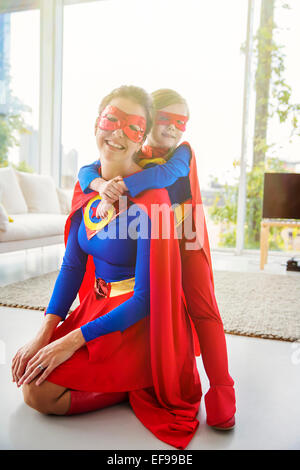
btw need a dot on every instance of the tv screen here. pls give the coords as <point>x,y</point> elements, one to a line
<point>281,196</point>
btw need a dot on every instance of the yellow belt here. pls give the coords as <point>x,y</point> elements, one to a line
<point>113,289</point>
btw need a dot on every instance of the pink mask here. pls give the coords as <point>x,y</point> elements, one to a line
<point>165,119</point>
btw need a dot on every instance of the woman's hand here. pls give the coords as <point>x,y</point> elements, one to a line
<point>51,356</point>
<point>24,355</point>
<point>27,352</point>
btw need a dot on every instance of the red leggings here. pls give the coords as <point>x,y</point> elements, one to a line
<point>203,310</point>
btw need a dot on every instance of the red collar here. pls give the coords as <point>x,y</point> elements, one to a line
<point>152,152</point>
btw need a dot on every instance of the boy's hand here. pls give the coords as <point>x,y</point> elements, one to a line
<point>103,207</point>
<point>111,190</point>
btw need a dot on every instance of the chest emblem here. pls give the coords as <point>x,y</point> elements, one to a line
<point>91,222</point>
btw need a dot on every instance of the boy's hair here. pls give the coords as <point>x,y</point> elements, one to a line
<point>165,97</point>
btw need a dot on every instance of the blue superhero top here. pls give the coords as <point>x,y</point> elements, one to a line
<point>121,250</point>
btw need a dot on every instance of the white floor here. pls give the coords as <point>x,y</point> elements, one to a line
<point>266,373</point>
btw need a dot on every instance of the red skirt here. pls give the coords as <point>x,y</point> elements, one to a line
<point>114,362</point>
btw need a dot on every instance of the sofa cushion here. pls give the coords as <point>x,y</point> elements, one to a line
<point>39,192</point>
<point>3,219</point>
<point>12,197</point>
<point>27,226</point>
<point>3,216</point>
<point>65,200</point>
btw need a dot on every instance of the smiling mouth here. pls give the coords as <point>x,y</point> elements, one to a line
<point>114,145</point>
<point>169,136</point>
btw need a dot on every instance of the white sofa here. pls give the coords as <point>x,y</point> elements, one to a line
<point>32,210</point>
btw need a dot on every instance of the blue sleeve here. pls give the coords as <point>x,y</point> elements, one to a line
<point>133,309</point>
<point>71,273</point>
<point>87,174</point>
<point>161,176</point>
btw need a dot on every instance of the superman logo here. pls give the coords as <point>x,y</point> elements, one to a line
<point>92,223</point>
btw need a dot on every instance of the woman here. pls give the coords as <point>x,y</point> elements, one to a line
<point>117,345</point>
<point>167,165</point>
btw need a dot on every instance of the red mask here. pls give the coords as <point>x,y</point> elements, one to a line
<point>132,125</point>
<point>165,119</point>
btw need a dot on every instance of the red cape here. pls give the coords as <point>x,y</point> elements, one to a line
<point>79,199</point>
<point>169,408</point>
<point>153,154</point>
<point>201,228</point>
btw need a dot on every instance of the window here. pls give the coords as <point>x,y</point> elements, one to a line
<point>19,87</point>
<point>197,52</point>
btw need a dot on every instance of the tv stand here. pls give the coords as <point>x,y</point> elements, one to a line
<point>264,235</point>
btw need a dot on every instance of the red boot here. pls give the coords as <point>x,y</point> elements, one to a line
<point>82,402</point>
<point>226,426</point>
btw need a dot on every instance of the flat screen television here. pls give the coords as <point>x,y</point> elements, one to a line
<point>281,196</point>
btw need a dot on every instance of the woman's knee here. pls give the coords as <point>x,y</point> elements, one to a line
<point>35,397</point>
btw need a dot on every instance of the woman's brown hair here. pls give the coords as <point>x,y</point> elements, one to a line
<point>134,93</point>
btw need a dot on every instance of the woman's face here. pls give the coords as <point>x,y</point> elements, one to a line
<point>167,136</point>
<point>115,145</point>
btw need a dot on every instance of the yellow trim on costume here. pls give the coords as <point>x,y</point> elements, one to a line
<point>181,214</point>
<point>122,287</point>
<point>96,225</point>
<point>145,161</point>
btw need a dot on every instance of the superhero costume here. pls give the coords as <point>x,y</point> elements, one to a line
<point>153,359</point>
<point>179,176</point>
<point>114,261</point>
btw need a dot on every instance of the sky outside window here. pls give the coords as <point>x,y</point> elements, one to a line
<point>193,47</point>
<point>24,79</point>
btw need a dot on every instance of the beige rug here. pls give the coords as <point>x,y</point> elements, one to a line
<point>251,304</point>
